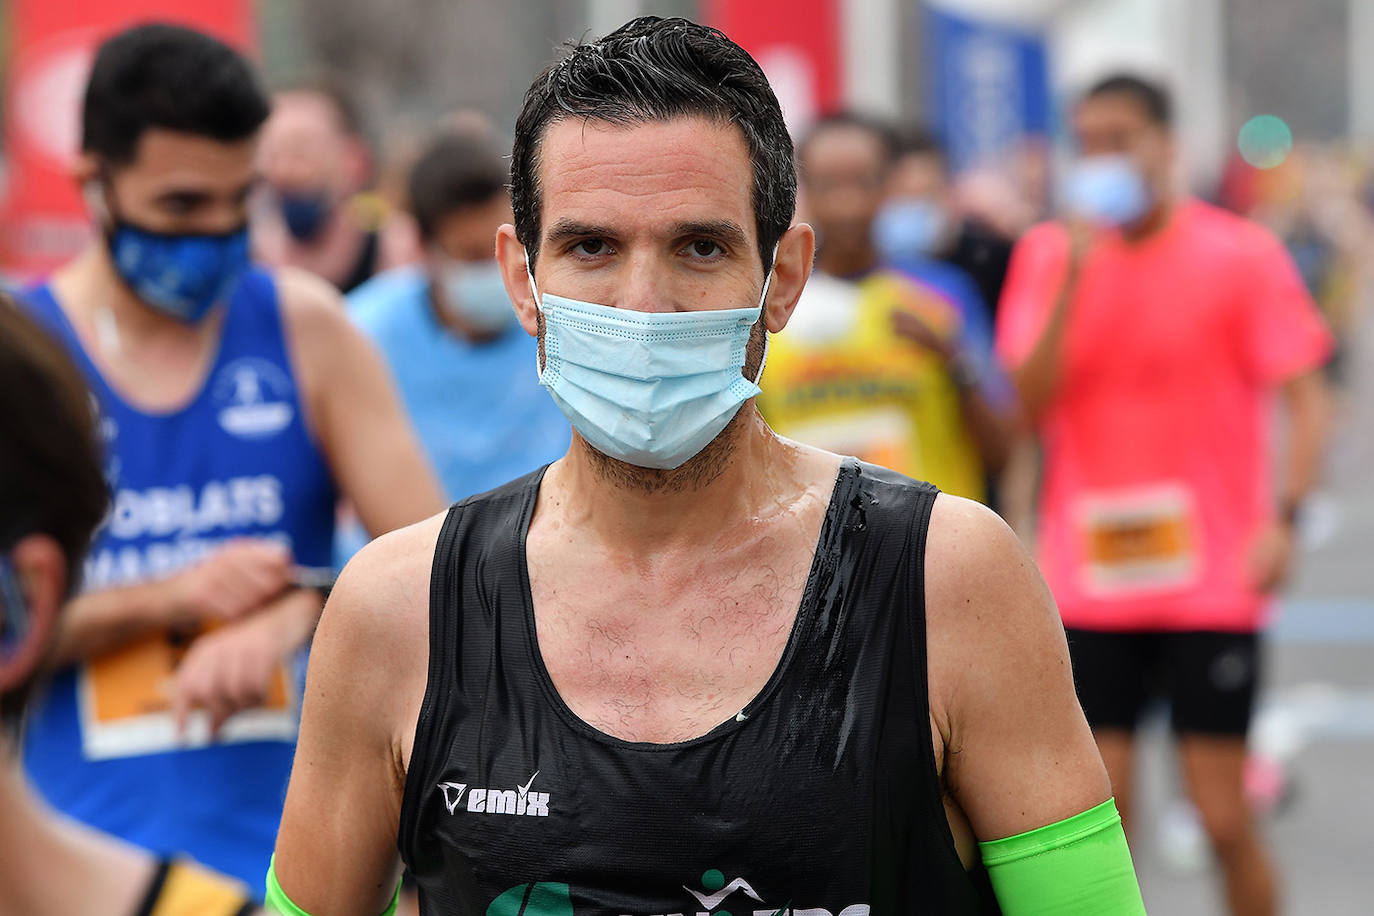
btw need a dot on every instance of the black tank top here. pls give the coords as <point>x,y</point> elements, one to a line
<point>820,798</point>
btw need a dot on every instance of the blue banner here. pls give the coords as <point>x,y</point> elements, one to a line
<point>989,85</point>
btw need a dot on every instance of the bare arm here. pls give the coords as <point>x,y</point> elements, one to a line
<point>336,851</point>
<point>355,412</point>
<point>1018,753</point>
<point>1308,403</point>
<point>234,580</point>
<point>1037,378</point>
<point>96,622</point>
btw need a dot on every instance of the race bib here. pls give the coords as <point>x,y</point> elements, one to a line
<point>125,704</point>
<point>1138,541</point>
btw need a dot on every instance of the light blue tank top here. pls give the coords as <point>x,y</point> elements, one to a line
<point>237,461</point>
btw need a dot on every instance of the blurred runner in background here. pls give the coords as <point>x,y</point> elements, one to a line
<point>317,213</point>
<point>234,406</point>
<point>54,494</point>
<point>921,217</point>
<point>891,363</point>
<point>465,369</point>
<point>1147,335</point>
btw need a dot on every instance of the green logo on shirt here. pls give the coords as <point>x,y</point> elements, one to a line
<point>543,899</point>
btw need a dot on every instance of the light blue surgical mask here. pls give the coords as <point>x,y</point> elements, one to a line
<point>475,293</point>
<point>908,227</point>
<point>1107,189</point>
<point>180,275</point>
<point>651,389</point>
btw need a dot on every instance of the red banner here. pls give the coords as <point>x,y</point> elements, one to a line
<point>43,221</point>
<point>796,42</point>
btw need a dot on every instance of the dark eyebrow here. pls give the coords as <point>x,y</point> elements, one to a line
<point>567,229</point>
<point>722,230</point>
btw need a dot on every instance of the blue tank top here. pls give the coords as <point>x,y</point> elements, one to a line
<point>236,461</point>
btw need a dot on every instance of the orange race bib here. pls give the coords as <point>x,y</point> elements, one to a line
<point>124,699</point>
<point>1138,541</point>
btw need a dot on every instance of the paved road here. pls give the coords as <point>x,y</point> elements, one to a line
<point>1318,707</point>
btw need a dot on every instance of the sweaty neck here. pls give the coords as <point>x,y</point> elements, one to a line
<point>752,480</point>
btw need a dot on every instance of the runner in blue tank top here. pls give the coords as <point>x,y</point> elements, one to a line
<point>235,407</point>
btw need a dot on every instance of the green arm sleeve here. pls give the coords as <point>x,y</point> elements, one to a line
<point>1079,866</point>
<point>278,902</point>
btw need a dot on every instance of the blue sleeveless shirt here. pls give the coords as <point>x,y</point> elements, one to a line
<point>236,461</point>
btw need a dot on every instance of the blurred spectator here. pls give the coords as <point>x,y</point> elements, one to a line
<point>1146,335</point>
<point>921,217</point>
<point>465,369</point>
<point>316,212</point>
<point>54,495</point>
<point>889,363</point>
<point>233,404</point>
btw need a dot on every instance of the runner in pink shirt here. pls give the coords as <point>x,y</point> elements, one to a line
<point>1148,337</point>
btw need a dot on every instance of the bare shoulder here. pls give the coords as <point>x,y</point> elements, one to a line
<point>383,592</point>
<point>374,631</point>
<point>971,552</point>
<point>986,603</point>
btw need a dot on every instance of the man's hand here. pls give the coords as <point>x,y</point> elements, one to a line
<point>231,668</point>
<point>1271,556</point>
<point>236,579</point>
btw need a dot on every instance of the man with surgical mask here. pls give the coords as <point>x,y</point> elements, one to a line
<point>1147,334</point>
<point>448,331</point>
<point>236,405</point>
<point>689,665</point>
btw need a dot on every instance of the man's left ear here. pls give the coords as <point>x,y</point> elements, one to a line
<point>791,268</point>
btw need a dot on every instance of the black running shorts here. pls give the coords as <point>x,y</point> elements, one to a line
<point>1208,677</point>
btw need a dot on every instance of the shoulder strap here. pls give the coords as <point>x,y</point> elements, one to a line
<point>444,634</point>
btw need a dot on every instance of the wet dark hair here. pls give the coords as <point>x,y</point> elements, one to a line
<point>654,69</point>
<point>169,77</point>
<point>456,171</point>
<point>1152,97</point>
<point>879,129</point>
<point>51,480</point>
